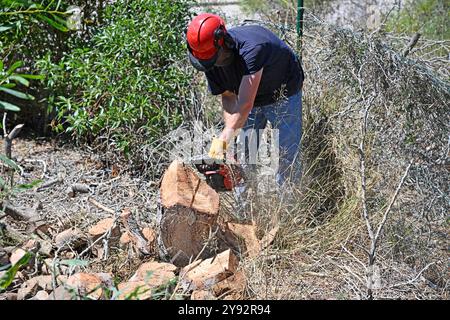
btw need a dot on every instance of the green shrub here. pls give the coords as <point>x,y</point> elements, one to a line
<point>127,83</point>
<point>429,17</point>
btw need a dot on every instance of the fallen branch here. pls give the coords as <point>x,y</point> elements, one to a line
<point>12,233</point>
<point>413,279</point>
<point>50,183</point>
<point>77,188</point>
<point>101,206</point>
<point>19,214</point>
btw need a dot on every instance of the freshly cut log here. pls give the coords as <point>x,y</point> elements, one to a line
<point>202,275</point>
<point>187,215</point>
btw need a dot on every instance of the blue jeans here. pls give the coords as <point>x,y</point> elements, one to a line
<point>286,117</point>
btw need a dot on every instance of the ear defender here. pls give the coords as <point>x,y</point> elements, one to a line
<point>219,34</point>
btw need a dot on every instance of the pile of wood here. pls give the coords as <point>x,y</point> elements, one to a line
<point>194,237</point>
<point>200,251</point>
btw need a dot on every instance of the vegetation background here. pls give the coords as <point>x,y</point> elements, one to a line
<point>112,86</point>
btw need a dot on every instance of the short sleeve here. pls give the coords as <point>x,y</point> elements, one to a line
<point>255,58</point>
<point>214,87</point>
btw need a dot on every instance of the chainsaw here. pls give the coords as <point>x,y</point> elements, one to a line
<point>221,175</point>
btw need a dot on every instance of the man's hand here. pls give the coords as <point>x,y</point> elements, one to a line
<point>218,149</point>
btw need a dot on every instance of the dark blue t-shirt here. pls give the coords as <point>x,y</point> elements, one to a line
<point>257,47</point>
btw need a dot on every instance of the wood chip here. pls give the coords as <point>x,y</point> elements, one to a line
<point>247,232</point>
<point>27,290</point>
<point>103,226</point>
<point>207,273</point>
<point>235,284</point>
<point>60,293</point>
<point>30,287</point>
<point>41,295</point>
<point>149,234</point>
<point>16,255</point>
<point>125,238</point>
<point>202,295</point>
<point>72,236</point>
<point>77,188</point>
<point>134,290</point>
<point>154,273</point>
<point>88,285</point>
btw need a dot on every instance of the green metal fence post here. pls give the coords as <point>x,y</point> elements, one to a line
<point>299,17</point>
<point>299,27</point>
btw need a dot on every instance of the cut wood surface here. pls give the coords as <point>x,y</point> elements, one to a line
<point>269,237</point>
<point>154,273</point>
<point>103,226</point>
<point>247,232</point>
<point>187,216</point>
<point>41,295</point>
<point>202,295</point>
<point>88,285</point>
<point>205,274</point>
<point>232,285</point>
<point>182,187</point>
<point>148,277</point>
<point>149,234</point>
<point>16,255</point>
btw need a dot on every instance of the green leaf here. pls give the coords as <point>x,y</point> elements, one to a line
<point>9,85</point>
<point>18,3</point>
<point>74,262</point>
<point>20,79</point>
<point>27,186</point>
<point>4,28</point>
<point>53,23</point>
<point>15,65</point>
<point>2,183</point>
<point>9,106</point>
<point>17,94</point>
<point>32,76</point>
<point>9,162</point>
<point>59,19</point>
<point>8,277</point>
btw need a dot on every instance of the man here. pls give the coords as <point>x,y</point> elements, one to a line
<point>259,78</point>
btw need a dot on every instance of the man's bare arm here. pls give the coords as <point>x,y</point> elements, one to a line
<point>237,108</point>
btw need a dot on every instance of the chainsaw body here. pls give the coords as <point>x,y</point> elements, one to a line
<point>221,176</point>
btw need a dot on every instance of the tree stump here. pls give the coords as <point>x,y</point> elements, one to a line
<point>187,216</point>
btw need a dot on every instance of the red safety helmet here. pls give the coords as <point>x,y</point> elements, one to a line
<point>205,36</point>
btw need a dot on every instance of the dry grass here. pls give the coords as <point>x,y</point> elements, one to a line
<point>321,248</point>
